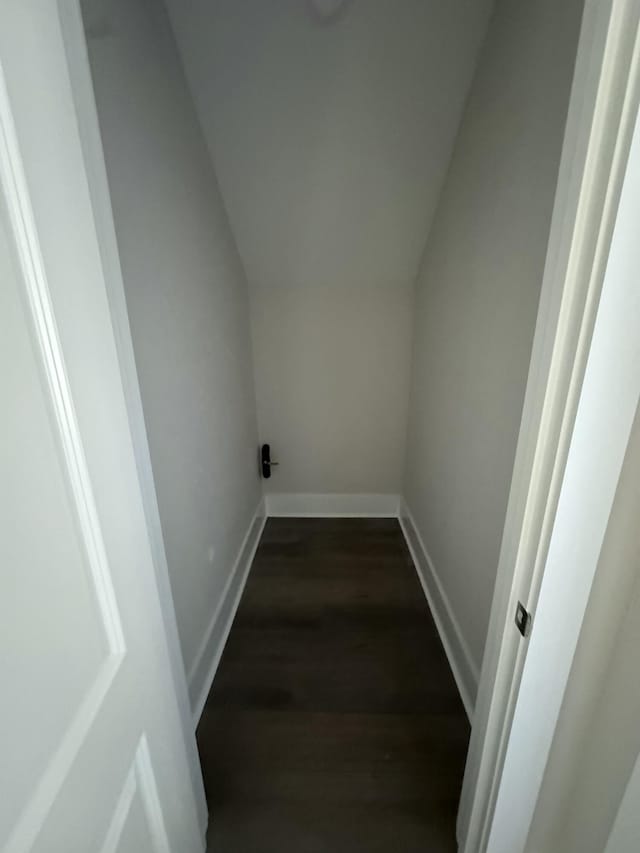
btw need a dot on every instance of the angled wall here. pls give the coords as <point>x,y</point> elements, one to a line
<point>476,305</point>
<point>188,306</point>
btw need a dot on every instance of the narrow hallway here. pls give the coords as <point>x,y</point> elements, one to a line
<point>334,722</point>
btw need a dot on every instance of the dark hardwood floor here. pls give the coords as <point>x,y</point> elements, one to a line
<point>334,723</point>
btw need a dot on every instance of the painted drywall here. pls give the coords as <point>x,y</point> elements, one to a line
<point>597,739</point>
<point>477,296</point>
<point>187,302</point>
<point>331,143</point>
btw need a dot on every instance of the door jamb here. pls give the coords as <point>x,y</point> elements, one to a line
<point>602,111</point>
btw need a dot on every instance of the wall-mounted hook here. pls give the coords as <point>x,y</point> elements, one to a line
<point>265,461</point>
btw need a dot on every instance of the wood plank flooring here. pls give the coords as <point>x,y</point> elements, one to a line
<point>334,723</point>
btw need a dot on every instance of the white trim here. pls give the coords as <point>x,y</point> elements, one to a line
<point>121,813</point>
<point>140,780</point>
<point>148,788</point>
<point>602,107</point>
<point>463,667</point>
<point>298,505</point>
<point>203,669</point>
<point>34,814</point>
<point>608,404</point>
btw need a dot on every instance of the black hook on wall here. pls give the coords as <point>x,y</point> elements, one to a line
<point>265,461</point>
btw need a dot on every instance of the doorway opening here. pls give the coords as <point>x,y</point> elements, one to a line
<point>377,243</point>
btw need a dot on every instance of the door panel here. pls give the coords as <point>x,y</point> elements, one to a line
<point>93,754</point>
<point>135,825</point>
<point>42,612</point>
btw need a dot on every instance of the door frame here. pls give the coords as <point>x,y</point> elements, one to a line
<point>72,27</point>
<point>600,123</point>
<point>603,106</point>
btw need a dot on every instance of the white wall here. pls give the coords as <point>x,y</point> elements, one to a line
<point>597,739</point>
<point>331,144</point>
<point>477,298</point>
<point>187,302</point>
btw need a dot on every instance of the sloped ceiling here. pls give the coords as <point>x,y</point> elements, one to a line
<point>330,141</point>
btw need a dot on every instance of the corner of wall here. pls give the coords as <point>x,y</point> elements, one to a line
<point>203,669</point>
<point>463,666</point>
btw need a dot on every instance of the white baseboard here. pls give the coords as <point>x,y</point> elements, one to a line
<point>460,659</point>
<point>203,669</point>
<point>332,505</point>
<point>205,664</point>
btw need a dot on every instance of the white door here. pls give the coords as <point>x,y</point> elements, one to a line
<point>92,755</point>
